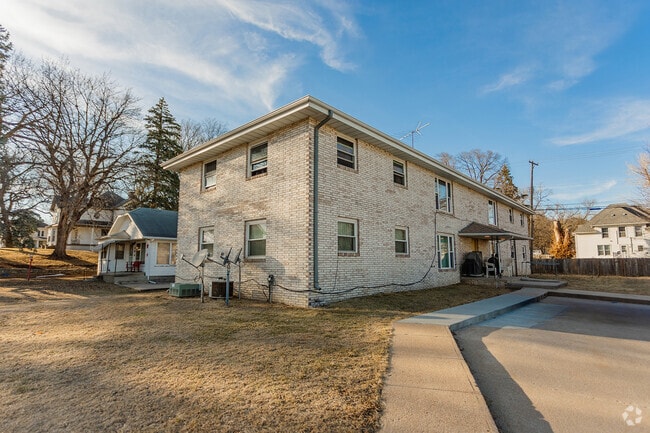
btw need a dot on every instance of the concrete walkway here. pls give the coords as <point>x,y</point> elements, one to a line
<point>429,387</point>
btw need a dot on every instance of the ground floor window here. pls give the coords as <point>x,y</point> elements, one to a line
<point>401,241</point>
<point>446,259</point>
<point>119,251</point>
<point>256,238</point>
<point>206,239</point>
<point>347,236</point>
<point>166,253</point>
<point>604,250</point>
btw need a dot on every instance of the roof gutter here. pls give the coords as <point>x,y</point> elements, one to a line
<point>330,114</point>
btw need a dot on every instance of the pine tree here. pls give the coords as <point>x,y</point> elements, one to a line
<point>155,187</point>
<point>504,183</point>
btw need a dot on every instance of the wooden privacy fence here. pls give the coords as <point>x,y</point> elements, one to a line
<point>622,267</point>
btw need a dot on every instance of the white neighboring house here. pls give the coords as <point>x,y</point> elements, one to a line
<point>92,225</point>
<point>619,230</point>
<point>142,240</point>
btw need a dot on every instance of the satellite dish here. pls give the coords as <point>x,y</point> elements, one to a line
<point>237,257</point>
<point>199,258</point>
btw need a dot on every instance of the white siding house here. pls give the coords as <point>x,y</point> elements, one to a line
<point>327,208</point>
<point>619,230</point>
<point>142,240</point>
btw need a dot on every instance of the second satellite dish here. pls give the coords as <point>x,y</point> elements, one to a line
<point>199,258</point>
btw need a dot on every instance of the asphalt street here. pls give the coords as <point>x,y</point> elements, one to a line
<point>564,365</point>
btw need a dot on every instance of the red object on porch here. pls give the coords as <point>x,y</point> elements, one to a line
<point>133,266</point>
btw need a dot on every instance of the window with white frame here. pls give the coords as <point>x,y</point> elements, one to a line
<point>511,216</point>
<point>621,232</point>
<point>443,195</point>
<point>258,159</point>
<point>604,250</point>
<point>256,238</point>
<point>206,239</point>
<point>492,212</point>
<point>524,251</point>
<point>640,248</point>
<point>446,254</point>
<point>399,174</point>
<point>166,253</point>
<point>119,251</point>
<point>605,232</point>
<point>209,174</point>
<point>345,153</point>
<point>624,249</point>
<point>638,231</point>
<point>348,236</point>
<point>522,220</point>
<point>401,240</point>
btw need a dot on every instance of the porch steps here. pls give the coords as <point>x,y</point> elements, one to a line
<point>124,277</point>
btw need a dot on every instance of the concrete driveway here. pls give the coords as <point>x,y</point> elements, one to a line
<point>564,365</point>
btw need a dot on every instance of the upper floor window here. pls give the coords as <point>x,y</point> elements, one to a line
<point>638,231</point>
<point>256,238</point>
<point>258,158</point>
<point>401,240</point>
<point>443,195</point>
<point>210,174</point>
<point>521,219</point>
<point>605,232</point>
<point>345,154</point>
<point>347,236</point>
<point>399,175</point>
<point>492,212</point>
<point>621,232</point>
<point>511,216</point>
<point>206,239</point>
<point>446,259</point>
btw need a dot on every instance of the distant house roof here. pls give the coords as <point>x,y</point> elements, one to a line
<point>477,230</point>
<point>619,214</point>
<point>155,223</point>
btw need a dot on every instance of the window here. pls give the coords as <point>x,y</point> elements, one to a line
<point>621,232</point>
<point>166,253</point>
<point>511,216</point>
<point>605,232</point>
<point>492,212</point>
<point>604,250</point>
<point>401,240</point>
<point>206,239</point>
<point>399,175</point>
<point>209,174</point>
<point>638,231</point>
<point>443,195</point>
<point>524,250</point>
<point>624,249</point>
<point>639,248</point>
<point>258,159</point>
<point>256,238</point>
<point>347,236</point>
<point>445,252</point>
<point>521,219</point>
<point>119,251</point>
<point>345,153</point>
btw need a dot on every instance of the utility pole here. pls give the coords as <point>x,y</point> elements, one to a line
<point>532,217</point>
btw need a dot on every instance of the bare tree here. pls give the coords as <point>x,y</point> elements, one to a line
<point>480,166</point>
<point>642,170</point>
<point>194,133</point>
<point>81,139</point>
<point>447,159</point>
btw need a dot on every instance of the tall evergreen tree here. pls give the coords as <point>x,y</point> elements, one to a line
<point>504,183</point>
<point>155,187</point>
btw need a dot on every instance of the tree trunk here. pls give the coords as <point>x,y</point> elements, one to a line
<point>62,231</point>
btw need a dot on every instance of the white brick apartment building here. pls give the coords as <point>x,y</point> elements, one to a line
<point>334,208</point>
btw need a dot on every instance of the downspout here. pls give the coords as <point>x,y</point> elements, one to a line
<point>315,204</point>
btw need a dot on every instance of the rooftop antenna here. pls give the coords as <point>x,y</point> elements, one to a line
<point>415,131</point>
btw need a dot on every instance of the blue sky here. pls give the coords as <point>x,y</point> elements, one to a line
<point>563,83</point>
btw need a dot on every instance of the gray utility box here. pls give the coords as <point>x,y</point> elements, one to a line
<point>218,289</point>
<point>184,290</point>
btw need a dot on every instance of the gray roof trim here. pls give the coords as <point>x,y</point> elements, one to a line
<point>310,107</point>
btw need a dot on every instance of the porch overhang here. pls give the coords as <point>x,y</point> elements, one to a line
<point>107,240</point>
<point>481,231</point>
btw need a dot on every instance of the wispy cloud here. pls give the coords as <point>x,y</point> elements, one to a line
<point>241,52</point>
<point>510,79</point>
<point>621,119</point>
<point>577,193</point>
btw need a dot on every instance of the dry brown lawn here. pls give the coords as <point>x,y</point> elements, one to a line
<point>85,356</point>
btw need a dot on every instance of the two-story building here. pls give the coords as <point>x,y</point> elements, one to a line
<point>619,230</point>
<point>333,208</point>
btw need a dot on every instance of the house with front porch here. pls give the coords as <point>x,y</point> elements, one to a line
<point>325,207</point>
<point>619,230</point>
<point>140,241</point>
